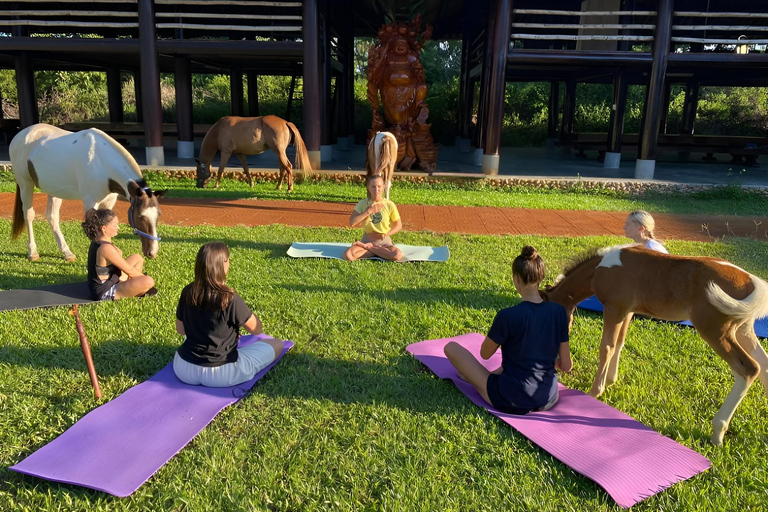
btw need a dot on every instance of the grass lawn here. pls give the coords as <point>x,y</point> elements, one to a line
<point>349,421</point>
<point>730,200</point>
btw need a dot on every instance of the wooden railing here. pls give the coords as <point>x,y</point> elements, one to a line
<point>175,19</point>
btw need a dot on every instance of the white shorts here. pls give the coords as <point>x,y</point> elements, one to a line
<point>109,294</point>
<point>251,359</point>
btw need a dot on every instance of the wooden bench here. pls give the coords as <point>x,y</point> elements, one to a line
<point>743,150</point>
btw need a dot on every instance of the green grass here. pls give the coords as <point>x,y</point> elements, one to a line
<point>726,200</point>
<point>349,421</point>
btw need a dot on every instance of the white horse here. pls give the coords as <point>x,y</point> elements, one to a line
<point>88,166</point>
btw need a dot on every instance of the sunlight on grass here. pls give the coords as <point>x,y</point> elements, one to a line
<point>349,421</point>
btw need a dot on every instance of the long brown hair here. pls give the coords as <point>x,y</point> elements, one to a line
<point>209,290</point>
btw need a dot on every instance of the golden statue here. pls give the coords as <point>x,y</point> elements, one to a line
<point>395,72</point>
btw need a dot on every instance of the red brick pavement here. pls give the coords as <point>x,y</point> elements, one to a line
<point>458,219</point>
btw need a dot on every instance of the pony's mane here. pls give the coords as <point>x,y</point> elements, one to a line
<point>119,148</point>
<point>586,256</point>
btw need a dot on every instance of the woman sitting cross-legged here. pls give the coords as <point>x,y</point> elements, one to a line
<point>533,337</point>
<point>110,276</point>
<point>380,220</point>
<point>210,315</point>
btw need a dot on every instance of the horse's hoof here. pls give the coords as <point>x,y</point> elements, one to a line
<point>69,258</point>
<point>33,257</point>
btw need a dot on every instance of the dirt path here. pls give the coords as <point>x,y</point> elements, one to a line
<point>458,219</point>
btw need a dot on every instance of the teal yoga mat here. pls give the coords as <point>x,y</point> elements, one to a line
<point>336,251</point>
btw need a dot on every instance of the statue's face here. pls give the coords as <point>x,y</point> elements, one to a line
<point>401,46</point>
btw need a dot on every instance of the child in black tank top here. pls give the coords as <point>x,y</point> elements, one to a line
<point>110,276</point>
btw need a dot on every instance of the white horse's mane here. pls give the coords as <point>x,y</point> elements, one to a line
<point>117,147</point>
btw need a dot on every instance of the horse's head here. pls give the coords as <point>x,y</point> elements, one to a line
<point>143,215</point>
<point>564,297</point>
<point>203,173</point>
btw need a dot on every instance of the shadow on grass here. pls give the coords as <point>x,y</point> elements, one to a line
<point>138,361</point>
<point>476,299</point>
<point>274,250</point>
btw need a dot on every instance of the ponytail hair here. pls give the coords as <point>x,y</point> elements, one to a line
<point>644,219</point>
<point>209,290</point>
<point>95,220</point>
<point>529,266</point>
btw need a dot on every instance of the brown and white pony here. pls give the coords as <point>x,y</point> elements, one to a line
<point>251,136</point>
<point>721,300</point>
<point>87,166</point>
<point>381,158</point>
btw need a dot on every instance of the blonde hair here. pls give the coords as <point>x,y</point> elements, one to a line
<point>644,219</point>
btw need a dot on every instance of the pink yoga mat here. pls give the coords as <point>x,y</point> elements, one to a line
<point>116,447</point>
<point>626,458</point>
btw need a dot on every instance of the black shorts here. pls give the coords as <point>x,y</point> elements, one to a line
<point>492,386</point>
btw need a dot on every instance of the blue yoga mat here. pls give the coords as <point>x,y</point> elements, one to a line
<point>116,447</point>
<point>592,304</point>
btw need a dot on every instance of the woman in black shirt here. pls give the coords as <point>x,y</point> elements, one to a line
<point>110,276</point>
<point>210,315</point>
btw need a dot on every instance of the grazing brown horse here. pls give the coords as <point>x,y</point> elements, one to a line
<point>251,136</point>
<point>381,158</point>
<point>721,300</point>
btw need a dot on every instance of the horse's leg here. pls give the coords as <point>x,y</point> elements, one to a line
<point>244,162</point>
<point>222,164</point>
<point>285,168</point>
<point>52,214</point>
<point>613,319</point>
<point>613,366</point>
<point>26,191</point>
<point>747,338</point>
<point>719,333</point>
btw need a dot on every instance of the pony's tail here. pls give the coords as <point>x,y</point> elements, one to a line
<point>388,158</point>
<point>752,307</point>
<point>18,216</point>
<point>302,157</point>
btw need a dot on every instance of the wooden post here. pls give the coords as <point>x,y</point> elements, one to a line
<point>569,108</point>
<point>554,107</point>
<point>115,94</point>
<point>690,107</point>
<point>496,85</point>
<point>86,348</point>
<point>312,108</point>
<point>137,94</point>
<point>182,80</point>
<point>327,137</point>
<point>616,127</point>
<point>291,92</point>
<point>236,105</point>
<point>253,94</point>
<point>150,84</point>
<point>646,161</point>
<point>482,114</point>
<point>25,87</point>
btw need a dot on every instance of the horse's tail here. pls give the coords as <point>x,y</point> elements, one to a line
<point>388,158</point>
<point>302,157</point>
<point>18,216</point>
<point>751,307</point>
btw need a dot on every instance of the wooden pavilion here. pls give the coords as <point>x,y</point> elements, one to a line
<point>658,43</point>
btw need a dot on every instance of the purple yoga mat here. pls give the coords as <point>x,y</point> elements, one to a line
<point>626,458</point>
<point>116,447</point>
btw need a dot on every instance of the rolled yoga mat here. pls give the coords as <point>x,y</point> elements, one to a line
<point>54,295</point>
<point>629,460</point>
<point>116,447</point>
<point>336,251</point>
<point>592,304</point>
